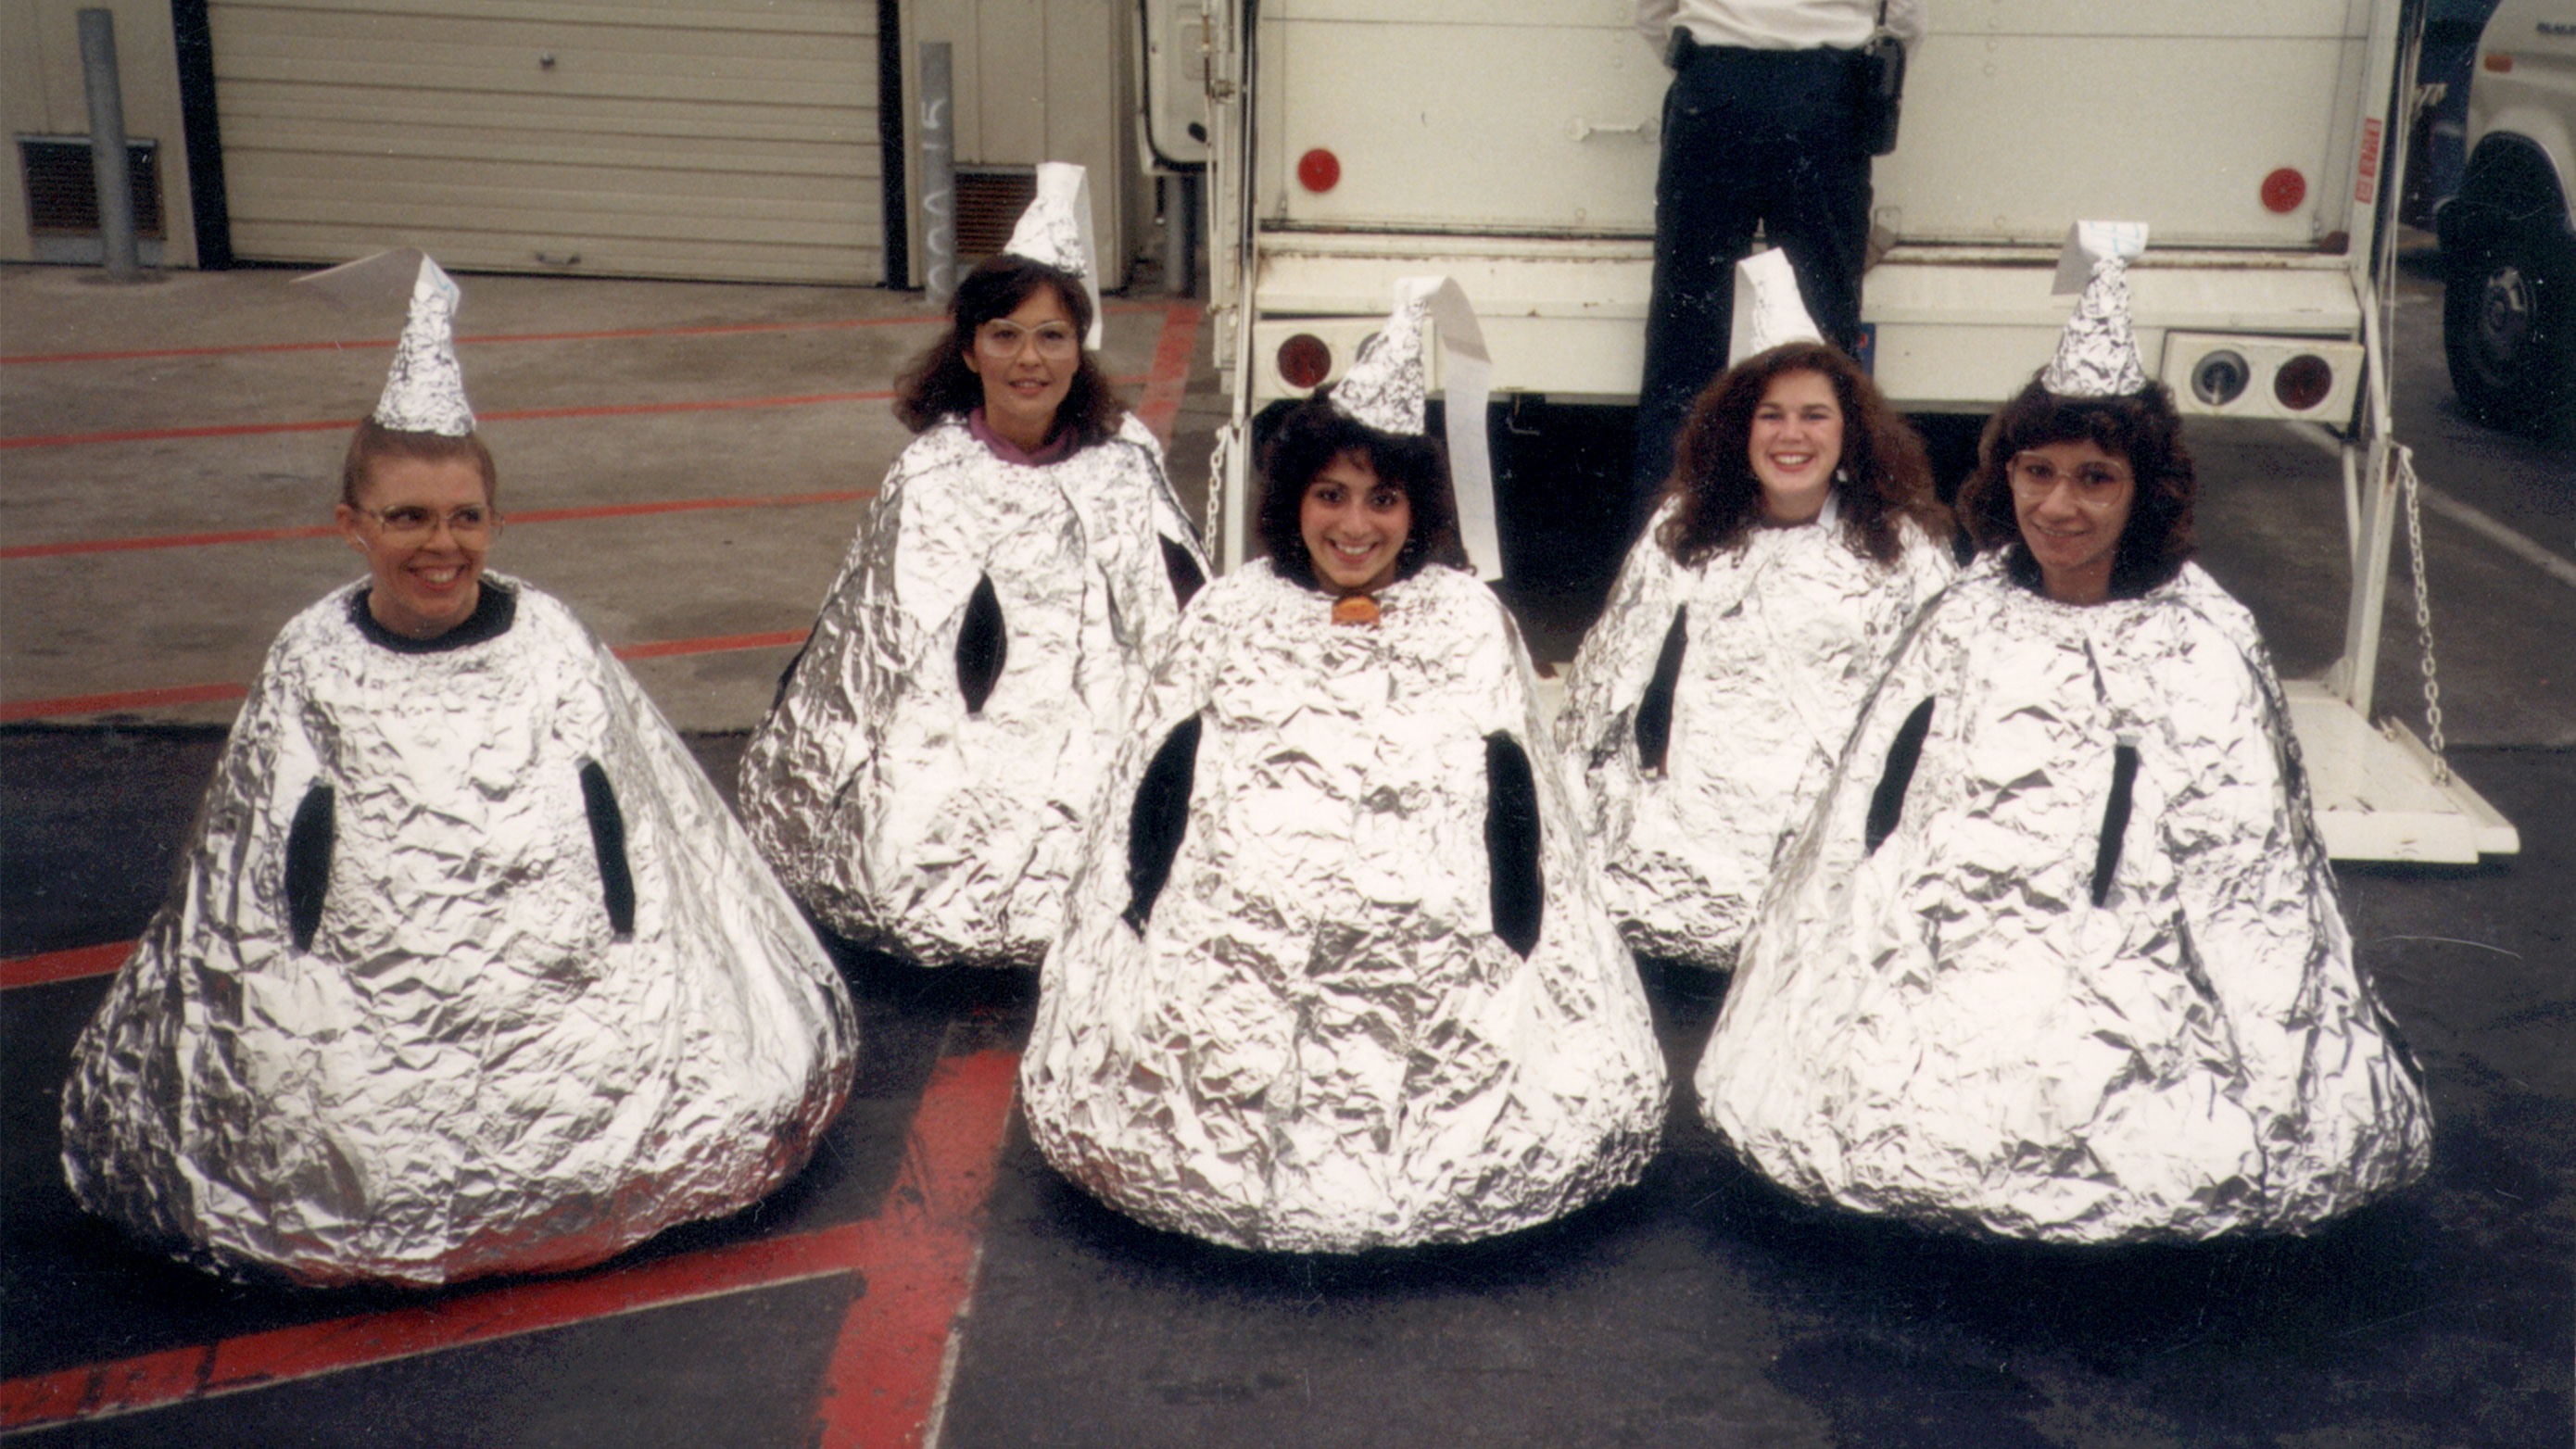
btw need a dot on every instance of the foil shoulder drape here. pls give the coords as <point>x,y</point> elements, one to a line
<point>2058,956</point>
<point>1313,1031</point>
<point>922,780</point>
<point>1703,748</point>
<point>399,1023</point>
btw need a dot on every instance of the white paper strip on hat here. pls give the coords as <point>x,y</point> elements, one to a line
<point>1768,309</point>
<point>1056,231</point>
<point>1389,381</point>
<point>2097,354</point>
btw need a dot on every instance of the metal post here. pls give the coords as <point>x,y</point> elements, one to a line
<point>107,145</point>
<point>938,175</point>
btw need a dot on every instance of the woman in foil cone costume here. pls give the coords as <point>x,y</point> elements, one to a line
<point>2058,957</point>
<point>923,780</point>
<point>1708,704</point>
<point>468,970</point>
<point>1335,975</point>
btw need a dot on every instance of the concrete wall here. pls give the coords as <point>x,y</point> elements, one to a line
<point>1038,80</point>
<point>41,94</point>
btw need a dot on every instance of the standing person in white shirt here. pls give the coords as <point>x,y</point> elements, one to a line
<point>1761,126</point>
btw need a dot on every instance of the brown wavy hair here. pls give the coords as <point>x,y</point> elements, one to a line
<point>2143,428</point>
<point>373,443</point>
<point>1309,438</point>
<point>1883,473</point>
<point>939,384</point>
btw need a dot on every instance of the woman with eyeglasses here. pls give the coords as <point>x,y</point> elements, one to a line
<point>467,969</point>
<point>923,779</point>
<point>2058,957</point>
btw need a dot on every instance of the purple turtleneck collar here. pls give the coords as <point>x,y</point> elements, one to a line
<point>1050,451</point>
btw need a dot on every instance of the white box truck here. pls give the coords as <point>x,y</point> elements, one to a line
<point>1512,145</point>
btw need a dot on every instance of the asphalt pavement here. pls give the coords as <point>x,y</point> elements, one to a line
<point>684,464</point>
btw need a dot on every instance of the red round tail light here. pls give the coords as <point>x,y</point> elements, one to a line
<point>1304,360</point>
<point>2284,189</point>
<point>2303,382</point>
<point>1319,170</point>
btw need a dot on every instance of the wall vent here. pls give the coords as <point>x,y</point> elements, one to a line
<point>989,204</point>
<point>62,189</point>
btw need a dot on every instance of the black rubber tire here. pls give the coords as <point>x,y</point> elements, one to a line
<point>2509,330</point>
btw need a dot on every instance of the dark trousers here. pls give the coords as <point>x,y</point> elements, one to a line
<point>1765,136</point>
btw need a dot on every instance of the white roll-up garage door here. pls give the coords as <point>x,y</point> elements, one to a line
<point>718,139</point>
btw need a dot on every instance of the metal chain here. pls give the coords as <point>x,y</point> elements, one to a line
<point>2402,458</point>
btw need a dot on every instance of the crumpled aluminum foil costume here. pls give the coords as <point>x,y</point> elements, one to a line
<point>923,781</point>
<point>1707,707</point>
<point>468,971</point>
<point>2058,957</point>
<point>1335,975</point>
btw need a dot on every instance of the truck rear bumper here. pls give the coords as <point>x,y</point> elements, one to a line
<point>1958,328</point>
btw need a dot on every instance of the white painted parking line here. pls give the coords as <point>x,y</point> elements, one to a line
<point>2467,515</point>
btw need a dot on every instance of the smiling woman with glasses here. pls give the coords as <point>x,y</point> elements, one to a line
<point>923,775</point>
<point>2058,955</point>
<point>468,970</point>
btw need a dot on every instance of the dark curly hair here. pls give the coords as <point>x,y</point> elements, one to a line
<point>373,443</point>
<point>2143,428</point>
<point>939,384</point>
<point>1309,438</point>
<point>1884,473</point>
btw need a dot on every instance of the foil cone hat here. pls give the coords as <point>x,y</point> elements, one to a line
<point>2097,354</point>
<point>1390,381</point>
<point>1056,231</point>
<point>1768,309</point>
<point>425,391</point>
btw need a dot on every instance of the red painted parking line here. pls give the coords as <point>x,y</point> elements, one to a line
<point>618,410</point>
<point>483,339</point>
<point>931,1216</point>
<point>670,647</point>
<point>26,709</point>
<point>606,410</point>
<point>18,709</point>
<point>69,965</point>
<point>533,515</point>
<point>1170,375</point>
<point>884,1374</point>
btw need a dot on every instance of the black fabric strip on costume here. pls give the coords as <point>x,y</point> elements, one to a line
<point>1887,803</point>
<point>1655,711</point>
<point>608,836</point>
<point>1160,818</point>
<point>495,609</point>
<point>1511,844</point>
<point>1184,572</point>
<point>788,674</point>
<point>2115,820</point>
<point>308,864</point>
<point>981,648</point>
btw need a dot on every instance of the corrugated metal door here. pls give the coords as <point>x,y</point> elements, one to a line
<point>717,139</point>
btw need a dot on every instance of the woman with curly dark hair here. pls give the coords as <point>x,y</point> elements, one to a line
<point>1338,976</point>
<point>2058,956</point>
<point>989,633</point>
<point>1799,535</point>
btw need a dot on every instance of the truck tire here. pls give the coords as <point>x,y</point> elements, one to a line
<point>2509,329</point>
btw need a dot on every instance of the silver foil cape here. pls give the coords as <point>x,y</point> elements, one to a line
<point>1949,1030</point>
<point>1319,1043</point>
<point>468,1071</point>
<point>900,816</point>
<point>1785,637</point>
